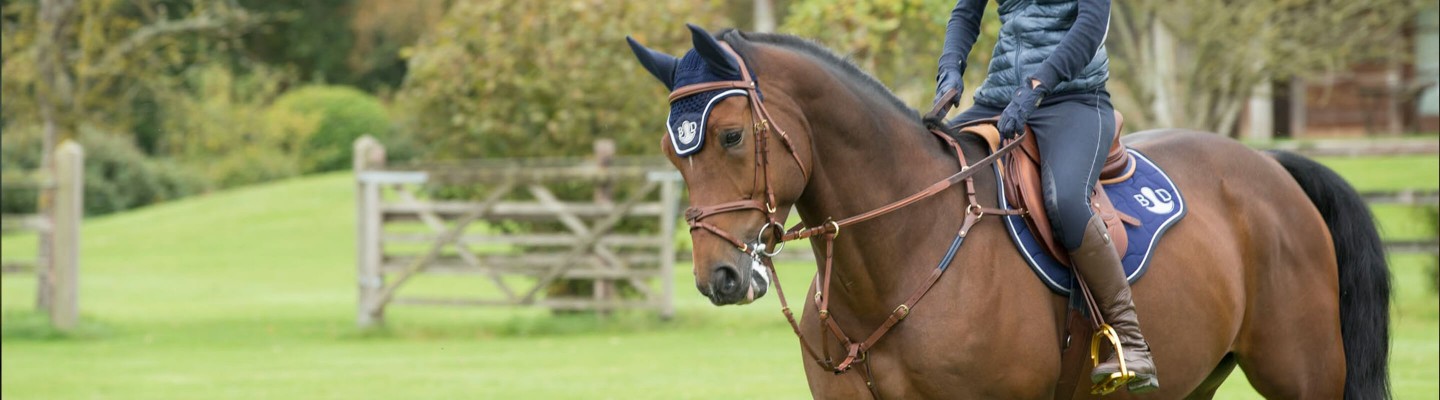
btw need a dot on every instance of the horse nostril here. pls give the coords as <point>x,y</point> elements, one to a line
<point>725,280</point>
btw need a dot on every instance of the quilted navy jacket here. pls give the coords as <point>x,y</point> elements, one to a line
<point>1058,42</point>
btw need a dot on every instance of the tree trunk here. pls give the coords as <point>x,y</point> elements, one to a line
<point>1162,47</point>
<point>1260,113</point>
<point>764,16</point>
<point>54,98</point>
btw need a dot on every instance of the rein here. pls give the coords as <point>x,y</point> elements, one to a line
<point>855,352</point>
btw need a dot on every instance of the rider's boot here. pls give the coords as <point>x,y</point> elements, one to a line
<point>1096,262</point>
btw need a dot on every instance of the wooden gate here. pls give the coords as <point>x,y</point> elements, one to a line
<point>405,230</point>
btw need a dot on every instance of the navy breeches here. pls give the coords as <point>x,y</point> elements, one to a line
<point>1074,132</point>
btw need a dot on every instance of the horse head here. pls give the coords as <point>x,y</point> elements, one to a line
<point>743,173</point>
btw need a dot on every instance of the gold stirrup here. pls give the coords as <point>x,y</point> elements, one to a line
<point>1117,379</point>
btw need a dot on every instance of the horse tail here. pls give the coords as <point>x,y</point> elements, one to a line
<point>1364,275</point>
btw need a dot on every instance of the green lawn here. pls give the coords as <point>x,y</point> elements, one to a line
<point>250,293</point>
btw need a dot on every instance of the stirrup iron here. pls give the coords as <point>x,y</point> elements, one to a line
<point>1117,379</point>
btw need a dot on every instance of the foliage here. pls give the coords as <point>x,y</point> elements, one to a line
<point>326,120</point>
<point>90,61</point>
<point>349,42</point>
<point>311,36</point>
<point>542,78</point>
<point>896,40</point>
<point>251,165</point>
<point>1193,63</point>
<point>74,68</point>
<point>383,30</point>
<point>118,176</point>
<point>225,137</point>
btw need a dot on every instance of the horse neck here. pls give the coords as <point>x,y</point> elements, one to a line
<point>867,154</point>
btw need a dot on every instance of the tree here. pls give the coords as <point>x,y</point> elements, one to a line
<point>542,78</point>
<point>73,62</point>
<point>349,42</point>
<point>382,29</point>
<point>898,41</point>
<point>69,62</point>
<point>1193,63</point>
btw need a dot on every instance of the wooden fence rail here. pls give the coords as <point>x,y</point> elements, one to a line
<point>1409,197</point>
<point>57,270</point>
<point>405,233</point>
<point>1360,147</point>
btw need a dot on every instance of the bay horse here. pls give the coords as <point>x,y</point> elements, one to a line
<point>1277,268</point>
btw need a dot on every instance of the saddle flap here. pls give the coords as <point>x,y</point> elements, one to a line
<point>1023,184</point>
<point>1023,187</point>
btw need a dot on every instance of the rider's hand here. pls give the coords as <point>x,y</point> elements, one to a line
<point>948,79</point>
<point>1026,100</point>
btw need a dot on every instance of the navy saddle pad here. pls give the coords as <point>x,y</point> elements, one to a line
<point>1149,195</point>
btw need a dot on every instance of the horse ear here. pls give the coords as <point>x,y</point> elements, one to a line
<point>710,51</point>
<point>659,64</point>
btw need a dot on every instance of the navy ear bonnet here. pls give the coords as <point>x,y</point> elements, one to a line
<point>689,114</point>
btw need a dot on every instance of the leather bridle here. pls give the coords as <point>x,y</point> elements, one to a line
<point>856,352</point>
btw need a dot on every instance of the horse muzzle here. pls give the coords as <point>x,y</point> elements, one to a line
<point>731,285</point>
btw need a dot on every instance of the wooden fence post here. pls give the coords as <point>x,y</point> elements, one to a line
<point>669,216</point>
<point>45,242</point>
<point>368,154</point>
<point>604,289</point>
<point>69,210</point>
<point>604,157</point>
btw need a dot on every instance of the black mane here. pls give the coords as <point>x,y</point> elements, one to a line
<point>740,41</point>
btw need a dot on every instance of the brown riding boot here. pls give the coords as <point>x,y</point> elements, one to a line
<point>1096,262</point>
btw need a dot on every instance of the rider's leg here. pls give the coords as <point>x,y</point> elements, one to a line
<point>1074,137</point>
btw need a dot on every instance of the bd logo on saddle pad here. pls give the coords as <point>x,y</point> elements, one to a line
<point>1157,201</point>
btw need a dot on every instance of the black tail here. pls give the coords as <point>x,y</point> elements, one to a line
<point>1364,276</point>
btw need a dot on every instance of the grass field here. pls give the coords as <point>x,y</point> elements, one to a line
<point>250,294</point>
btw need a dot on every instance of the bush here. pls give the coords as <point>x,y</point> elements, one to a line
<point>252,165</point>
<point>118,176</point>
<point>214,127</point>
<point>342,114</point>
<point>19,158</point>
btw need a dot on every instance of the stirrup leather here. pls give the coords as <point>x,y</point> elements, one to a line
<point>1117,379</point>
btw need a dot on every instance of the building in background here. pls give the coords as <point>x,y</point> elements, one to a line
<point>1366,99</point>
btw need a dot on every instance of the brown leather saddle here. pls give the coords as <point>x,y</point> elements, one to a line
<point>1021,172</point>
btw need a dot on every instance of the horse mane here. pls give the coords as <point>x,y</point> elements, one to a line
<point>741,42</point>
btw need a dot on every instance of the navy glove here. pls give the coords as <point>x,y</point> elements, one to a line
<point>1026,100</point>
<point>948,79</point>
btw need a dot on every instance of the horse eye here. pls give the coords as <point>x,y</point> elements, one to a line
<point>731,138</point>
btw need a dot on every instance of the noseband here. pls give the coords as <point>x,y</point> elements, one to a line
<point>855,351</point>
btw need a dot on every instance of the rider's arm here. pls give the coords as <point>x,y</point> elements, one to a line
<point>1079,44</point>
<point>960,33</point>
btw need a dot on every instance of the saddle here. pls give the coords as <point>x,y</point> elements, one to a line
<point>1021,176</point>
